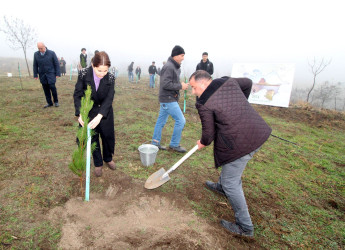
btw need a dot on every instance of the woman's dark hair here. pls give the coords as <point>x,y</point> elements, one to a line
<point>101,58</point>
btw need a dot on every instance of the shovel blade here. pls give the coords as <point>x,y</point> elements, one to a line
<point>155,180</point>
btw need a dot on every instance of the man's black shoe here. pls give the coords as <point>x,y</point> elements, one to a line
<point>57,104</point>
<point>178,149</point>
<point>215,187</point>
<point>236,229</point>
<point>48,105</point>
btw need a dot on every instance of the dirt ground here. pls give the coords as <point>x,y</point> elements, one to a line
<point>126,216</point>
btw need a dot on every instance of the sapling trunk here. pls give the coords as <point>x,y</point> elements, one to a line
<point>185,97</point>
<point>78,164</point>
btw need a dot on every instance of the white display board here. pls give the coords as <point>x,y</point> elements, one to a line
<point>272,82</point>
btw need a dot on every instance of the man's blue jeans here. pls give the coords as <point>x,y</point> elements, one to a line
<point>152,81</point>
<point>174,110</point>
<point>130,76</point>
<point>231,183</point>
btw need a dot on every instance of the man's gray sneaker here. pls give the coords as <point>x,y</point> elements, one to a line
<point>178,149</point>
<point>215,187</point>
<point>236,229</point>
<point>160,146</point>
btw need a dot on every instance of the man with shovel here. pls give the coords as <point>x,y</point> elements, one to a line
<point>238,132</point>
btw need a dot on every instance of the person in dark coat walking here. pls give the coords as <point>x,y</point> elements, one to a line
<point>238,132</point>
<point>46,67</point>
<point>130,72</point>
<point>101,115</point>
<point>152,72</point>
<point>205,64</point>
<point>62,66</point>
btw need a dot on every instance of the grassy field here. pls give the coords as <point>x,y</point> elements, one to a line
<point>295,194</point>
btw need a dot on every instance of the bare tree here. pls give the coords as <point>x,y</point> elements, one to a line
<point>19,36</point>
<point>316,68</point>
<point>323,94</point>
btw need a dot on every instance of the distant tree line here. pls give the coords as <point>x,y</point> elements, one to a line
<point>325,96</point>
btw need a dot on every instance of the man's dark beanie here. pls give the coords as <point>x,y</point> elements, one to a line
<point>177,50</point>
<point>205,54</point>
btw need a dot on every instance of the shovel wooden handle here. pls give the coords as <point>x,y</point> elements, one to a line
<point>185,157</point>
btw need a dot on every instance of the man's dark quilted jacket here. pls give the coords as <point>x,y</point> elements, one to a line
<point>229,120</point>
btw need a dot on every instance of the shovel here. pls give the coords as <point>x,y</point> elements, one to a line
<point>161,176</point>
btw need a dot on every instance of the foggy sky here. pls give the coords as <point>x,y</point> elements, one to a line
<point>244,31</point>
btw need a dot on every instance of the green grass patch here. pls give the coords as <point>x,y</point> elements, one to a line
<point>295,194</point>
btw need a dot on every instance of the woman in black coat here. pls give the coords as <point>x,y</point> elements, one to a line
<point>101,115</point>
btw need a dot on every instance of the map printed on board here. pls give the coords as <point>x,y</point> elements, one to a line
<point>272,82</point>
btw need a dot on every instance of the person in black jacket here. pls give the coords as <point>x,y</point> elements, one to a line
<point>62,66</point>
<point>46,66</point>
<point>130,72</point>
<point>152,72</point>
<point>101,115</point>
<point>205,64</point>
<point>237,131</point>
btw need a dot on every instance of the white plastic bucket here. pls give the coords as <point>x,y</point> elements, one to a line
<point>148,153</point>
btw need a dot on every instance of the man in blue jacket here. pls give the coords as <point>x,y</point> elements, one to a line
<point>46,66</point>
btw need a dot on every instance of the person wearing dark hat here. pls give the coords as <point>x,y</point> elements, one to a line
<point>205,64</point>
<point>152,72</point>
<point>169,93</point>
<point>83,58</point>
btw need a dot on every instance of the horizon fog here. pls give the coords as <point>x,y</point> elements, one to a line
<point>247,31</point>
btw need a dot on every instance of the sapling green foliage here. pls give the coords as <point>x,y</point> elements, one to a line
<point>78,164</point>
